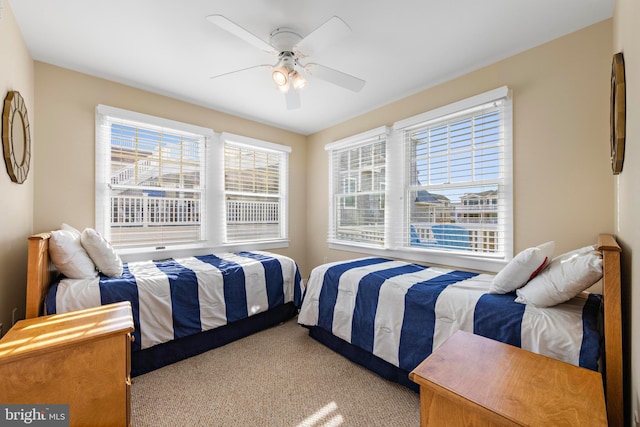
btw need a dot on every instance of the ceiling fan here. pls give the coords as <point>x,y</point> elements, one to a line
<point>288,72</point>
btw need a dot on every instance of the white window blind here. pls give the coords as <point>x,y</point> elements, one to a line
<point>458,178</point>
<point>150,179</point>
<point>357,171</point>
<point>255,189</point>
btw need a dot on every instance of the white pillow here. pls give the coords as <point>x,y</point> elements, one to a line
<point>579,251</point>
<point>72,229</point>
<point>69,257</point>
<point>102,253</point>
<point>566,276</point>
<point>522,268</point>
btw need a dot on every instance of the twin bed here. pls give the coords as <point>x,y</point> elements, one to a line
<point>386,315</point>
<point>181,307</point>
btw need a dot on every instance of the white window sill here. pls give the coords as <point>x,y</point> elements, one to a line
<point>179,251</point>
<point>428,256</point>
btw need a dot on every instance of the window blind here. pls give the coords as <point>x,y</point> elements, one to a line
<point>255,189</point>
<point>358,188</point>
<point>150,183</point>
<point>458,180</point>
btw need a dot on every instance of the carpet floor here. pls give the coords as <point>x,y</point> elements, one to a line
<point>277,377</point>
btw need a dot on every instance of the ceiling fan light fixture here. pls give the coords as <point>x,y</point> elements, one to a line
<point>281,76</point>
<point>297,80</point>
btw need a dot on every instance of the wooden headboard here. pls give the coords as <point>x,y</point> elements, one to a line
<point>40,273</point>
<point>611,289</point>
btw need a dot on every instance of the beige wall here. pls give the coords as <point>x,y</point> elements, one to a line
<point>16,213</point>
<point>626,36</point>
<point>66,102</point>
<point>562,179</point>
<point>563,185</point>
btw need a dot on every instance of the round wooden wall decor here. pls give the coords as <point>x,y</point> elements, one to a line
<point>618,107</point>
<point>16,138</point>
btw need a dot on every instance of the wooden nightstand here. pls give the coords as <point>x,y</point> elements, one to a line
<point>475,381</point>
<point>81,358</point>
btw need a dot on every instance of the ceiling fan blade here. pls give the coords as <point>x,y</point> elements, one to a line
<point>326,34</point>
<point>240,70</point>
<point>336,77</point>
<point>238,31</point>
<point>293,99</point>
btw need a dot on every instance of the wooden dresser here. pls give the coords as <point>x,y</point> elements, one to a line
<point>81,358</point>
<point>475,381</point>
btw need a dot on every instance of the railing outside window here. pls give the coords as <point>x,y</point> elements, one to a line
<point>136,211</point>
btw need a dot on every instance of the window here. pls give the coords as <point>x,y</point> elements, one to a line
<point>150,187</point>
<point>456,168</point>
<point>255,189</point>
<point>167,185</point>
<point>448,195</point>
<point>357,187</point>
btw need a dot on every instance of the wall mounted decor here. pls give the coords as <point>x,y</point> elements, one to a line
<point>618,108</point>
<point>16,138</point>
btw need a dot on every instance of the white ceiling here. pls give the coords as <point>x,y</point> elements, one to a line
<point>399,47</point>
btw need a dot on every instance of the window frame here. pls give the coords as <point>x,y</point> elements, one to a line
<point>103,171</point>
<point>262,146</point>
<point>396,203</point>
<point>213,190</point>
<point>364,139</point>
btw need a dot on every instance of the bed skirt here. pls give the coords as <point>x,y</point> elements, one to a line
<point>149,359</point>
<point>363,358</point>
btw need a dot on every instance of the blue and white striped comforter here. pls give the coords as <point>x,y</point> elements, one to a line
<point>401,312</point>
<point>179,297</point>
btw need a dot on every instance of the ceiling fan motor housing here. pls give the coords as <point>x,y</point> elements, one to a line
<point>284,39</point>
